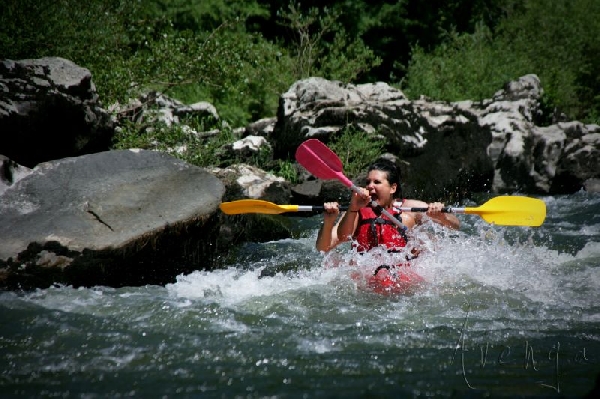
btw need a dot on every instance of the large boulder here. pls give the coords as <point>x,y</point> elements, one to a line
<point>49,109</point>
<point>529,158</point>
<point>579,163</point>
<point>113,218</point>
<point>445,158</point>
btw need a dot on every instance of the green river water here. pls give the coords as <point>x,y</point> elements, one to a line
<point>506,312</point>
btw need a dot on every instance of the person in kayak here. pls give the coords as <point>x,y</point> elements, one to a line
<point>367,226</point>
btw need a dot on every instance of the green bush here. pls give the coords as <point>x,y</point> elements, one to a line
<point>320,46</point>
<point>556,40</point>
<point>287,170</point>
<point>177,140</point>
<point>240,74</point>
<point>356,149</point>
<point>464,67</point>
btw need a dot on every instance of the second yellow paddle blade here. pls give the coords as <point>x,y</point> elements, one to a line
<point>255,206</point>
<point>512,211</point>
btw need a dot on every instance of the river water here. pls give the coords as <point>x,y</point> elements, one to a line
<point>505,312</point>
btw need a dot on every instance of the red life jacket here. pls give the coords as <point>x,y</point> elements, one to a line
<point>374,230</point>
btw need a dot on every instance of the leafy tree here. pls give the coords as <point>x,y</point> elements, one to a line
<point>203,15</point>
<point>67,28</point>
<point>233,71</point>
<point>391,28</point>
<point>321,47</point>
<point>557,40</point>
<point>465,66</point>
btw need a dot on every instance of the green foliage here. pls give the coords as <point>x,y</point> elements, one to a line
<point>93,34</point>
<point>249,74</point>
<point>392,28</point>
<point>67,28</point>
<point>287,170</point>
<point>241,56</point>
<point>209,55</point>
<point>199,49</point>
<point>234,72</point>
<point>203,153</point>
<point>239,72</point>
<point>306,50</point>
<point>321,46</point>
<point>346,60</point>
<point>356,150</point>
<point>556,40</point>
<point>182,140</point>
<point>203,15</point>
<point>465,66</point>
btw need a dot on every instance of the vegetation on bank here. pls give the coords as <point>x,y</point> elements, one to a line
<point>241,55</point>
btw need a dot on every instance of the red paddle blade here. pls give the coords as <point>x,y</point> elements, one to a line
<point>320,161</point>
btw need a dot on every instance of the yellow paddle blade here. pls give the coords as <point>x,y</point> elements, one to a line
<point>512,211</point>
<point>255,206</point>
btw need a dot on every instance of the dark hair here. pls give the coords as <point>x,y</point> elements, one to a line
<point>392,171</point>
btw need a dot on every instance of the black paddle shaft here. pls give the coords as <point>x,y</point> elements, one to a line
<point>321,208</point>
<point>446,209</point>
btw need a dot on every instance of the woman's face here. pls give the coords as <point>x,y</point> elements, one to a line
<point>379,187</point>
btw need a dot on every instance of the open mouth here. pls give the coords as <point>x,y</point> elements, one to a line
<point>375,198</point>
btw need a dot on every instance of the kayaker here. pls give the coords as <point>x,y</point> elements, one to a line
<point>383,186</point>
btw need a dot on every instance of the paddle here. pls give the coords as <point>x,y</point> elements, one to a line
<point>321,162</point>
<point>503,210</point>
<point>266,207</point>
